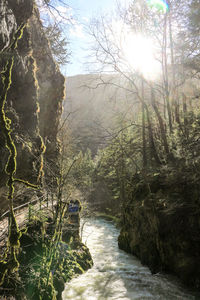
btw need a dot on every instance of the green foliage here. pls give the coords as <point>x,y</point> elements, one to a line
<point>119,165</point>
<point>119,161</point>
<point>76,167</point>
<point>46,261</point>
<point>82,172</point>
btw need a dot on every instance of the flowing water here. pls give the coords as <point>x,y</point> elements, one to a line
<point>118,275</point>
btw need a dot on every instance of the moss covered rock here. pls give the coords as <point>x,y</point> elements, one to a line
<point>162,228</point>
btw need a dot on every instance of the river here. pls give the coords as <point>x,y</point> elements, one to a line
<point>118,275</point>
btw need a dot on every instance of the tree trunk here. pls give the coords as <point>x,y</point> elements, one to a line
<point>144,150</point>
<point>185,119</point>
<point>161,123</point>
<point>165,74</point>
<point>174,97</point>
<point>151,139</point>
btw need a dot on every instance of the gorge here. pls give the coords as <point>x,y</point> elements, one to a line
<point>111,143</point>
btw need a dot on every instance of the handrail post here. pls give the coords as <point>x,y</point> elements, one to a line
<point>40,203</point>
<point>29,212</point>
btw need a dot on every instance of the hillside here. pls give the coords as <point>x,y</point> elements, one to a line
<point>93,105</point>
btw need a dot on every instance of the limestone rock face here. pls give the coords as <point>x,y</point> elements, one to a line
<point>51,91</point>
<point>34,100</point>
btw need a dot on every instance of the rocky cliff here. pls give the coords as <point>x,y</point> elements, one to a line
<point>31,94</point>
<point>33,102</point>
<point>161,224</point>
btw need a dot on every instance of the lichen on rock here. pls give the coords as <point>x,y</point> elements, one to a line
<point>32,90</point>
<point>34,100</point>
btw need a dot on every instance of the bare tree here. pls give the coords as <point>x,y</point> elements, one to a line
<point>56,17</point>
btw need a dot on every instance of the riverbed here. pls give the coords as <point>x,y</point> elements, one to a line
<point>117,274</point>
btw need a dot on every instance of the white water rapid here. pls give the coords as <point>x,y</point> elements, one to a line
<point>118,275</point>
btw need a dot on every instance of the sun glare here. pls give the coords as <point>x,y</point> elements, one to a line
<point>139,53</point>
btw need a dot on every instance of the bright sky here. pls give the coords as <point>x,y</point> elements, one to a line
<point>83,11</point>
<point>139,51</point>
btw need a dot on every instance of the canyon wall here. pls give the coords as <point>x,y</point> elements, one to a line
<point>34,99</point>
<point>161,227</point>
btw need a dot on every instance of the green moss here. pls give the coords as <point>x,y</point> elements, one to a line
<point>43,150</point>
<point>109,217</point>
<point>10,168</point>
<point>3,271</point>
<point>123,241</point>
<point>13,244</point>
<point>27,183</point>
<point>36,255</point>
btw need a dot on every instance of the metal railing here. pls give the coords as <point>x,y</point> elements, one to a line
<point>40,199</point>
<point>21,208</point>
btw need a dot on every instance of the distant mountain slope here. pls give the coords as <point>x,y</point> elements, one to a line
<point>95,104</point>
